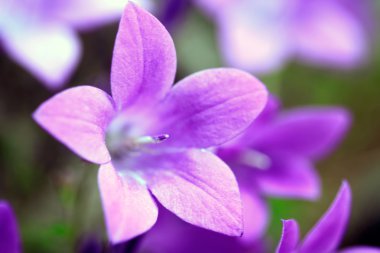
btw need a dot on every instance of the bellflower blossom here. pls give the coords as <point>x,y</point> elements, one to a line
<point>150,138</point>
<point>326,234</point>
<point>9,235</point>
<point>262,35</point>
<point>275,155</point>
<point>40,34</point>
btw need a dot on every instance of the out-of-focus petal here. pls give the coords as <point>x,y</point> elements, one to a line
<point>253,36</point>
<point>97,12</point>
<point>129,209</point>
<point>255,215</point>
<point>49,51</point>
<point>144,59</point>
<point>198,187</point>
<point>271,109</point>
<point>210,107</point>
<point>9,235</point>
<point>214,7</point>
<point>360,250</point>
<point>310,132</point>
<point>327,233</point>
<point>78,118</point>
<point>289,237</point>
<point>289,176</point>
<point>327,33</point>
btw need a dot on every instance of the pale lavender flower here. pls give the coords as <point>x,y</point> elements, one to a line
<point>41,35</point>
<point>9,234</point>
<point>326,235</point>
<point>275,156</point>
<point>151,138</point>
<point>262,35</point>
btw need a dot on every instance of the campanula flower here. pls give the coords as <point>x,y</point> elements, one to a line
<point>152,138</point>
<point>274,157</point>
<point>326,235</point>
<point>262,35</point>
<point>41,35</point>
<point>9,234</point>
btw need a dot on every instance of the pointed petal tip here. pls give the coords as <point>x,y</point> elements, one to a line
<point>290,236</point>
<point>344,190</point>
<point>333,223</point>
<point>144,59</point>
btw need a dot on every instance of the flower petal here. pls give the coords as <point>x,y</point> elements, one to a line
<point>78,118</point>
<point>144,59</point>
<point>289,237</point>
<point>210,107</point>
<point>129,209</point>
<point>327,233</point>
<point>310,132</point>
<point>9,235</point>
<point>271,109</point>
<point>327,33</point>
<point>49,51</point>
<point>199,188</point>
<point>289,176</point>
<point>255,214</point>
<point>360,250</point>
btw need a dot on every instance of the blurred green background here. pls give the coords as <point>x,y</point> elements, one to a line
<point>55,194</point>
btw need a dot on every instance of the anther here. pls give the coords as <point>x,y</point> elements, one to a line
<point>152,139</point>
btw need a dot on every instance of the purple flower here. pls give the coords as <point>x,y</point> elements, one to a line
<point>326,234</point>
<point>40,34</point>
<point>150,138</point>
<point>9,235</point>
<point>261,35</point>
<point>275,156</point>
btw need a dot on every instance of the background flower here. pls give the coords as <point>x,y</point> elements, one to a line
<point>326,235</point>
<point>261,36</point>
<point>41,34</point>
<point>275,156</point>
<point>9,235</point>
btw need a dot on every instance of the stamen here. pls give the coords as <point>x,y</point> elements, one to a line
<point>256,159</point>
<point>152,139</point>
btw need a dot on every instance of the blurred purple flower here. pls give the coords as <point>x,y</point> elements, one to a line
<point>151,138</point>
<point>9,235</point>
<point>40,34</point>
<point>261,35</point>
<point>326,234</point>
<point>275,155</point>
